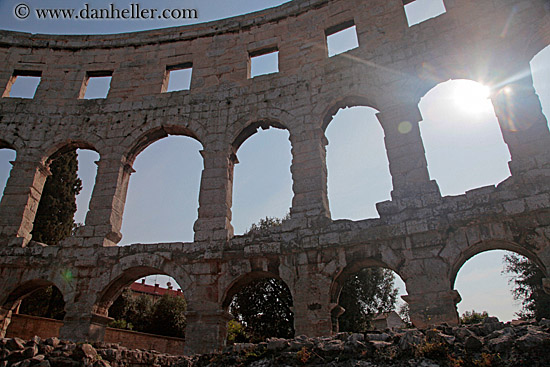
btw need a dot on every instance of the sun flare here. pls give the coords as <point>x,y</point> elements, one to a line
<point>471,97</point>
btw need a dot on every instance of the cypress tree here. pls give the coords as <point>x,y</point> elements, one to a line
<point>55,215</point>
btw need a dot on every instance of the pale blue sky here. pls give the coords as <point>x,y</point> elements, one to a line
<point>464,150</point>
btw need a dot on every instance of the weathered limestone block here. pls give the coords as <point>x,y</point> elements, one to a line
<point>20,200</point>
<point>107,203</point>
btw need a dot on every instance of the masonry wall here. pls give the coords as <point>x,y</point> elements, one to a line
<point>421,235</point>
<point>26,327</point>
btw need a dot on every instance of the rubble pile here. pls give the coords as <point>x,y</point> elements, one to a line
<point>490,343</point>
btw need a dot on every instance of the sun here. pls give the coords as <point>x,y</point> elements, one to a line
<point>471,97</point>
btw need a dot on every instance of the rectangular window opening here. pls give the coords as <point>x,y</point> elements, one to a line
<point>418,11</point>
<point>262,62</point>
<point>96,84</point>
<point>177,77</point>
<point>23,84</point>
<point>341,38</point>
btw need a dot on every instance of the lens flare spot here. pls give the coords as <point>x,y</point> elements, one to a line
<point>404,127</point>
<point>67,275</point>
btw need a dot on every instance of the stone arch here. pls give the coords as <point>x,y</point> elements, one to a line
<point>245,279</point>
<point>11,141</point>
<point>252,128</point>
<point>253,179</point>
<point>63,146</point>
<point>130,269</point>
<point>114,289</point>
<point>136,143</point>
<point>355,145</point>
<point>25,288</point>
<point>488,245</point>
<point>278,297</point>
<point>133,147</point>
<point>534,39</point>
<point>5,145</point>
<point>352,268</point>
<point>30,282</point>
<point>456,146</point>
<point>344,102</point>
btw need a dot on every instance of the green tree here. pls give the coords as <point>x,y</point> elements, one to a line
<point>54,217</point>
<point>168,316</point>
<point>264,309</point>
<point>473,317</point>
<point>405,314</point>
<point>365,294</point>
<point>527,279</point>
<point>45,302</point>
<point>264,225</point>
<point>165,317</point>
<point>131,311</point>
<point>236,333</point>
<point>120,309</point>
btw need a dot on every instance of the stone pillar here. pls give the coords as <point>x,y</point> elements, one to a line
<point>309,175</point>
<point>215,198</point>
<point>104,219</point>
<point>80,326</point>
<point>432,307</point>
<point>406,155</point>
<point>312,308</point>
<point>20,201</point>
<point>206,331</point>
<point>524,127</point>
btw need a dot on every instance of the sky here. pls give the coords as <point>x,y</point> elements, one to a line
<point>464,150</point>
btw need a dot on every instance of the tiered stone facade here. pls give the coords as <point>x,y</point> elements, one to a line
<point>422,236</point>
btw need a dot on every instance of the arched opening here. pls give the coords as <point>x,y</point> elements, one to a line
<point>500,283</point>
<point>144,300</point>
<point>37,308</point>
<point>262,184</point>
<point>368,298</point>
<point>57,215</point>
<point>540,69</point>
<point>163,193</point>
<point>462,138</point>
<point>7,156</point>
<point>357,164</point>
<point>87,172</point>
<point>261,306</point>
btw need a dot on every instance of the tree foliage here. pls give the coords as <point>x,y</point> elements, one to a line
<point>165,317</point>
<point>365,294</point>
<point>44,302</point>
<point>168,316</point>
<point>527,280</point>
<point>405,314</point>
<point>473,317</point>
<point>264,309</point>
<point>54,217</point>
<point>265,224</point>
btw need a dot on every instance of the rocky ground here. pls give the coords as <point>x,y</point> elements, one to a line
<point>491,343</point>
